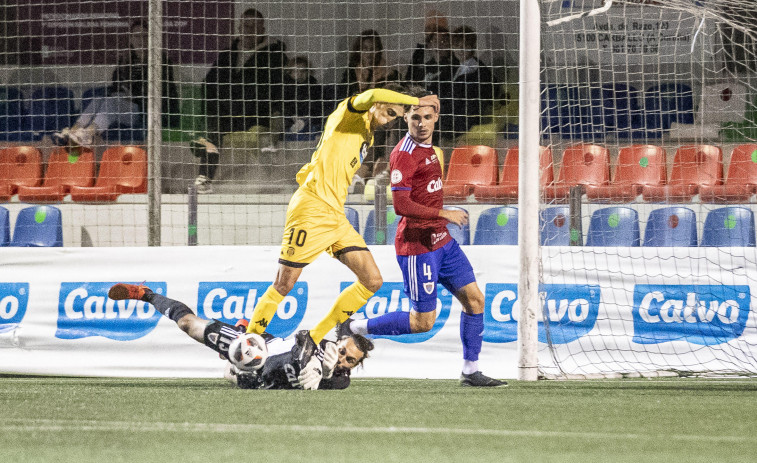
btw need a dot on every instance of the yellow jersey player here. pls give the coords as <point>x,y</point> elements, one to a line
<point>315,218</point>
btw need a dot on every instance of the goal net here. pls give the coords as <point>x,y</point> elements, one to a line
<point>648,109</point>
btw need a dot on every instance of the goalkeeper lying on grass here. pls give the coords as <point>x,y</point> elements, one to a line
<point>329,368</point>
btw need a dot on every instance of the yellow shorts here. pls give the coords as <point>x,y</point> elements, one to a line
<point>313,227</point>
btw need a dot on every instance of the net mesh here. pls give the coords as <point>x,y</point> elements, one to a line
<point>648,108</point>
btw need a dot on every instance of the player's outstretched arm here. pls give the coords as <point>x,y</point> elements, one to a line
<point>364,101</point>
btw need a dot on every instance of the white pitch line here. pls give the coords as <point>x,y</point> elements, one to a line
<point>48,425</point>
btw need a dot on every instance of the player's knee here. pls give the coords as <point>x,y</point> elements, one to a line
<point>373,282</point>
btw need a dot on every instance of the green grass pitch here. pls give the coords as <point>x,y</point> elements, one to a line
<point>377,420</point>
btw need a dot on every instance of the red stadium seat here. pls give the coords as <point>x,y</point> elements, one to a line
<point>63,172</point>
<point>582,165</point>
<point>19,166</point>
<point>638,165</point>
<point>507,188</point>
<point>693,166</point>
<point>741,182</point>
<point>123,169</point>
<point>470,166</point>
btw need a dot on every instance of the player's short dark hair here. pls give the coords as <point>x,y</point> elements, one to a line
<point>252,13</point>
<point>364,344</point>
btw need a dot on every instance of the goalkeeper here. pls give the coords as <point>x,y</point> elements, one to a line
<point>328,368</point>
<point>315,217</point>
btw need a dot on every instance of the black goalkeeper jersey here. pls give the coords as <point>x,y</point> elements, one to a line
<point>282,368</point>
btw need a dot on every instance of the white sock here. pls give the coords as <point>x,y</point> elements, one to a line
<point>359,326</point>
<point>470,366</point>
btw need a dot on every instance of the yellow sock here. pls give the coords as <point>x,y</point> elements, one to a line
<point>264,310</point>
<point>348,302</point>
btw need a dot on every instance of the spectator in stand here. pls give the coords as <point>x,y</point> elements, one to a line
<point>421,57</point>
<point>367,69</point>
<point>125,101</point>
<point>303,100</point>
<point>436,77</point>
<point>472,84</point>
<point>367,66</point>
<point>243,89</point>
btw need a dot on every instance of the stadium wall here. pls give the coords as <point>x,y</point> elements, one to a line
<point>58,321</point>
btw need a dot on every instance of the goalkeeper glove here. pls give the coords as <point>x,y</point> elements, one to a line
<point>330,359</point>
<point>310,376</point>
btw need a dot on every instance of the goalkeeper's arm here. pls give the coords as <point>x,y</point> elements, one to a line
<point>364,101</point>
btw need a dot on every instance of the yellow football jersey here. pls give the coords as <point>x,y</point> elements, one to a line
<point>340,152</point>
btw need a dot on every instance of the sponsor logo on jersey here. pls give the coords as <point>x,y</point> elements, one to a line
<point>84,310</point>
<point>391,298</point>
<point>434,185</point>
<point>396,176</point>
<point>569,312</point>
<point>230,301</point>
<point>698,314</point>
<point>14,298</point>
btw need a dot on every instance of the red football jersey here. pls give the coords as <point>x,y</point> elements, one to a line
<point>415,167</point>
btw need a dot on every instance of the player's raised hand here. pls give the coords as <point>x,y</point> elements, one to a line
<point>330,359</point>
<point>429,100</point>
<point>455,216</point>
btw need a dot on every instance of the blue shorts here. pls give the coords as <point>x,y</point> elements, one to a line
<point>447,265</point>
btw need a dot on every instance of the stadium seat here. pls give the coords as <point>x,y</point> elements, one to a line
<point>554,226</point>
<point>38,226</point>
<point>5,227</point>
<point>550,109</point>
<point>123,169</point>
<point>667,103</point>
<point>51,109</point>
<point>507,188</point>
<point>621,109</point>
<point>729,226</point>
<point>460,234</point>
<point>693,166</point>
<point>638,165</point>
<point>353,217</point>
<point>19,166</point>
<point>497,225</point>
<point>671,226</point>
<point>614,226</point>
<point>581,113</point>
<point>741,182</point>
<point>470,166</point>
<point>63,172</point>
<point>392,220</point>
<point>581,165</point>
<point>14,120</point>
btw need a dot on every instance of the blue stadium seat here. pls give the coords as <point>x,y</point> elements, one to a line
<point>550,110</point>
<point>51,109</point>
<point>353,217</point>
<point>38,226</point>
<point>555,226</point>
<point>392,220</point>
<point>614,226</point>
<point>581,113</point>
<point>729,226</point>
<point>460,234</point>
<point>14,120</point>
<point>5,227</point>
<point>622,109</point>
<point>497,225</point>
<point>671,226</point>
<point>667,103</point>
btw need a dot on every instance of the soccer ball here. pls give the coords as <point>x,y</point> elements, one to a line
<point>248,352</point>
